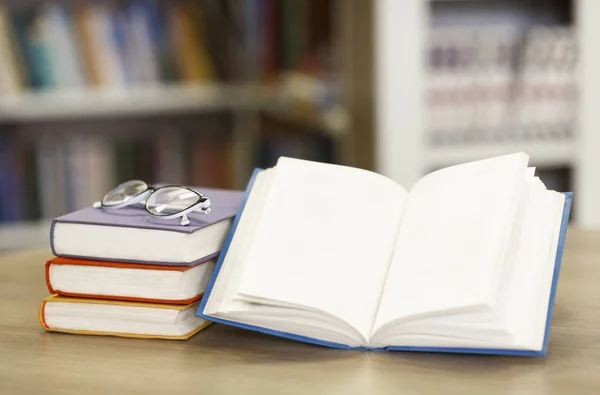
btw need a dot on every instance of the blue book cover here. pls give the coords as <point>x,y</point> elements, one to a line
<point>158,27</point>
<point>542,352</point>
<point>35,54</point>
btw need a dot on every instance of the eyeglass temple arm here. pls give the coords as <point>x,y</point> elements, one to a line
<point>98,204</point>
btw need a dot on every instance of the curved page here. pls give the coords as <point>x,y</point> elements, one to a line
<point>325,240</point>
<point>452,241</point>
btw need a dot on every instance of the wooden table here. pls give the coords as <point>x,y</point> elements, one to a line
<point>227,360</point>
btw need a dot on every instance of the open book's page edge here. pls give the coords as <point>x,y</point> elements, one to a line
<point>555,276</point>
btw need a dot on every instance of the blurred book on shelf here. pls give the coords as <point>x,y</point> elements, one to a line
<point>47,176</point>
<point>67,47</point>
<point>290,35</point>
<point>499,84</point>
<point>103,45</point>
<point>279,139</point>
<point>290,44</point>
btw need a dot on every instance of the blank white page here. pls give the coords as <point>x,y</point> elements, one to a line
<point>325,240</point>
<point>453,238</point>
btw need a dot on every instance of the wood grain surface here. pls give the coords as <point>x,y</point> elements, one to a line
<point>226,360</point>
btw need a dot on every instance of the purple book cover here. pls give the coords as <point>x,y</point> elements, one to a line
<point>224,205</point>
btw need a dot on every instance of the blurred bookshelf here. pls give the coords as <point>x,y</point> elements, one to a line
<point>399,87</point>
<point>461,80</point>
<point>196,92</point>
<point>137,101</point>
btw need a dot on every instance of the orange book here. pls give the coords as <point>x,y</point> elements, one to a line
<point>122,319</point>
<point>179,285</point>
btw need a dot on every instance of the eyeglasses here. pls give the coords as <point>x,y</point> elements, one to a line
<point>166,202</point>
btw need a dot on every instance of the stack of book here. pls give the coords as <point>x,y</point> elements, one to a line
<point>125,272</point>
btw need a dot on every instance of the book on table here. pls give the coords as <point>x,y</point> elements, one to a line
<point>128,281</point>
<point>129,234</point>
<point>120,318</point>
<point>465,261</point>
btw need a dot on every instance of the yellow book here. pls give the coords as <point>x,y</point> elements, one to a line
<point>90,51</point>
<point>191,52</point>
<point>123,319</point>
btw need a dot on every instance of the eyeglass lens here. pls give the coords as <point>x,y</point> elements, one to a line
<point>124,192</point>
<point>171,200</point>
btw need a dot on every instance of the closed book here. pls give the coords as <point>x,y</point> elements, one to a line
<point>121,319</point>
<point>131,234</point>
<point>127,281</point>
<point>466,261</point>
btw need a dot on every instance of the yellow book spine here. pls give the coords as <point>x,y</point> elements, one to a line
<point>192,54</point>
<point>88,50</point>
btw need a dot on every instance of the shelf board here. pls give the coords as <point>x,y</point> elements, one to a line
<point>72,104</point>
<point>157,100</point>
<point>541,153</point>
<point>333,123</point>
<point>21,235</point>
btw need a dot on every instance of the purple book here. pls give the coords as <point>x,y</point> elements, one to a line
<point>131,234</point>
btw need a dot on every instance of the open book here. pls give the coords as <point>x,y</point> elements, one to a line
<point>466,261</point>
